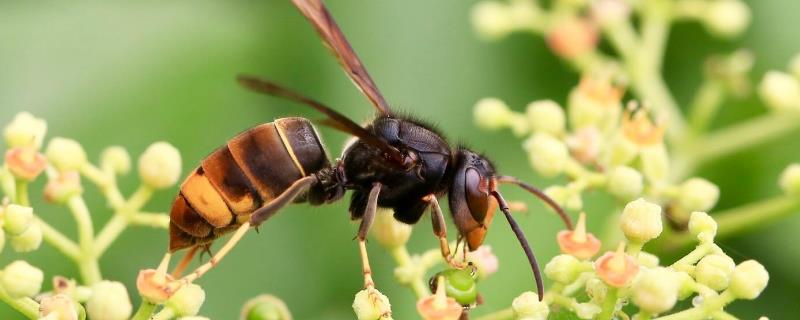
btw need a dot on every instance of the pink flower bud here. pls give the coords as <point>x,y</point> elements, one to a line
<point>572,38</point>
<point>25,163</point>
<point>62,187</point>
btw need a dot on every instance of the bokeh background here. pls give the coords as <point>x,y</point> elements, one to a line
<point>131,73</point>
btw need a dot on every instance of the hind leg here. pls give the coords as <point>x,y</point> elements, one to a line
<point>440,231</point>
<point>363,229</point>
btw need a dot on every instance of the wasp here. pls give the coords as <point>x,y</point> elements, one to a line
<point>393,162</point>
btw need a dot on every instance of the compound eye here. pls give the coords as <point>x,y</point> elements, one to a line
<point>477,192</point>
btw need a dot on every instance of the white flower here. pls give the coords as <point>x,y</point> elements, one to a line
<point>625,183</point>
<point>117,159</point>
<point>187,301</point>
<point>698,194</point>
<point>780,91</point>
<point>109,301</point>
<point>20,279</point>
<point>748,280</point>
<point>546,116</point>
<point>65,154</point>
<point>528,307</point>
<point>790,180</point>
<point>656,290</point>
<point>547,154</point>
<point>25,131</point>
<point>727,18</point>
<point>160,165</point>
<point>371,304</point>
<point>641,221</point>
<point>714,271</point>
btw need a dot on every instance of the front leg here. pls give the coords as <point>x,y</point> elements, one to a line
<point>440,231</point>
<point>363,229</point>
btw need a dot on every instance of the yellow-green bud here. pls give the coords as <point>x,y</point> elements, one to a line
<point>748,280</point>
<point>702,226</point>
<point>29,240</point>
<point>17,219</point>
<point>117,159</point>
<point>493,114</point>
<point>648,260</point>
<point>528,307</point>
<point>586,310</point>
<point>65,154</point>
<point>727,18</point>
<point>547,154</point>
<point>109,301</point>
<point>714,271</point>
<point>265,307</point>
<point>63,187</point>
<point>655,162</point>
<point>562,268</point>
<point>656,290</point>
<point>641,221</point>
<point>546,116</point>
<point>697,194</point>
<point>596,289</point>
<point>780,91</point>
<point>187,301</point>
<point>794,66</point>
<point>20,279</point>
<point>160,165</point>
<point>389,232</point>
<point>625,183</point>
<point>371,304</point>
<point>790,180</point>
<point>25,131</point>
<point>491,19</point>
<point>685,285</point>
<point>58,307</point>
<point>621,151</point>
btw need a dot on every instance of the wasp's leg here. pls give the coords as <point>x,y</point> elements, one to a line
<point>440,231</point>
<point>185,261</point>
<point>363,229</point>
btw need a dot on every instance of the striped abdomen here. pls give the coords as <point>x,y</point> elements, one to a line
<point>253,168</point>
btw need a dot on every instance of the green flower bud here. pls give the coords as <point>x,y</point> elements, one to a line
<point>621,151</point>
<point>389,232</point>
<point>714,271</point>
<point>641,221</point>
<point>265,307</point>
<point>491,19</point>
<point>117,159</point>
<point>625,183</point>
<point>596,289</point>
<point>563,268</point>
<point>65,154</point>
<point>647,259</point>
<point>459,285</point>
<point>58,307</point>
<point>29,240</point>
<point>748,280</point>
<point>780,91</point>
<point>547,154</point>
<point>528,307</point>
<point>17,219</point>
<point>25,131</point>
<point>698,194</point>
<point>546,116</point>
<point>702,226</point>
<point>371,304</point>
<point>586,310</point>
<point>790,180</point>
<point>655,162</point>
<point>656,290</point>
<point>20,279</point>
<point>187,300</point>
<point>726,18</point>
<point>685,285</point>
<point>109,301</point>
<point>160,165</point>
<point>493,114</point>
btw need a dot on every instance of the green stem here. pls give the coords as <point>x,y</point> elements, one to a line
<point>155,220</point>
<point>22,194</point>
<point>706,102</point>
<point>164,314</point>
<point>145,310</point>
<point>498,315</point>
<point>27,306</point>
<point>126,214</point>
<point>88,265</point>
<point>106,182</point>
<point>609,304</point>
<point>109,233</point>
<point>711,306</point>
<point>59,240</point>
<point>698,253</point>
<point>403,259</point>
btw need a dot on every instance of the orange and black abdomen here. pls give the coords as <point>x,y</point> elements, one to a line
<point>236,179</point>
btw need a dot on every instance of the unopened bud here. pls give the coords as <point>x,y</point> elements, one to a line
<point>528,307</point>
<point>748,280</point>
<point>727,18</point>
<point>389,232</point>
<point>596,289</point>
<point>625,183</point>
<point>65,154</point>
<point>117,159</point>
<point>160,165</point>
<point>563,269</point>
<point>656,291</point>
<point>20,279</point>
<point>17,219</point>
<point>586,310</point>
<point>698,194</point>
<point>714,271</point>
<point>58,307</point>
<point>265,307</point>
<point>371,304</point>
<point>25,131</point>
<point>780,91</point>
<point>610,11</point>
<point>655,162</point>
<point>109,301</point>
<point>29,240</point>
<point>62,187</point>
<point>546,116</point>
<point>493,114</point>
<point>585,144</point>
<point>641,221</point>
<point>547,154</point>
<point>187,300</point>
<point>647,260</point>
<point>572,38</point>
<point>790,180</point>
<point>491,19</point>
<point>702,226</point>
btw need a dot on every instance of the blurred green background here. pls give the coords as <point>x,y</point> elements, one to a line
<point>137,72</point>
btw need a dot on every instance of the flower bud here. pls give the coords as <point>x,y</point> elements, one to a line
<point>571,38</point>
<point>616,269</point>
<point>117,159</point>
<point>65,154</point>
<point>697,194</point>
<point>389,232</point>
<point>641,221</point>
<point>547,154</point>
<point>20,279</point>
<point>2,240</point>
<point>25,131</point>
<point>585,144</point>
<point>655,163</point>
<point>153,285</point>
<point>596,289</point>
<point>610,11</point>
<point>714,271</point>
<point>656,291</point>
<point>625,183</point>
<point>586,310</point>
<point>187,300</point>
<point>702,226</point>
<point>492,113</point>
<point>265,307</point>
<point>484,260</point>
<point>25,163</point>
<point>647,260</point>
<point>577,242</point>
<point>748,280</point>
<point>563,269</point>
<point>780,91</point>
<point>528,307</point>
<point>727,18</point>
<point>620,151</point>
<point>160,165</point>
<point>109,301</point>
<point>790,180</point>
<point>794,66</point>
<point>64,186</point>
<point>686,284</point>
<point>594,102</point>
<point>546,116</point>
<point>371,304</point>
<point>17,219</point>
<point>29,240</point>
<point>58,307</point>
<point>491,19</point>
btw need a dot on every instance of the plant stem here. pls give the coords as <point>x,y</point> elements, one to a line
<point>706,102</point>
<point>145,311</point>
<point>155,220</point>
<point>164,314</point>
<point>88,265</point>
<point>403,260</point>
<point>22,193</point>
<point>27,306</point>
<point>58,240</point>
<point>609,304</point>
<point>109,233</point>
<point>498,315</point>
